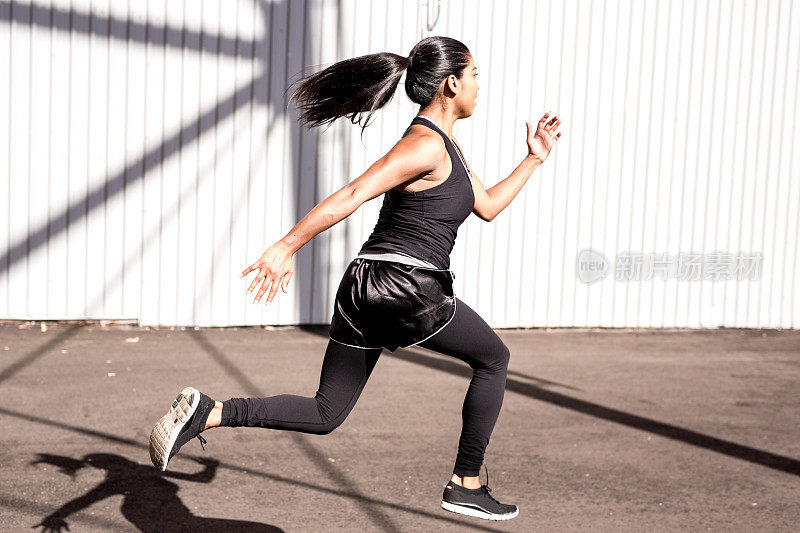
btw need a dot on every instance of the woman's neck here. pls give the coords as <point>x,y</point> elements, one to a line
<point>442,120</point>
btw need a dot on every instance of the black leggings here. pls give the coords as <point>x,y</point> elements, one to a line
<point>345,371</point>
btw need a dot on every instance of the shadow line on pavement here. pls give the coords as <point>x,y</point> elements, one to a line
<point>334,491</point>
<point>26,506</point>
<point>542,381</point>
<point>35,354</point>
<point>688,436</point>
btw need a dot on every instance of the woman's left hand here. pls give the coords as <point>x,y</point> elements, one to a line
<point>542,141</point>
<point>274,270</point>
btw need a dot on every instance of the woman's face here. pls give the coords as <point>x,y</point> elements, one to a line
<point>467,96</point>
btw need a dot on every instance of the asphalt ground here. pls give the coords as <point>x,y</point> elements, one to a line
<point>601,430</point>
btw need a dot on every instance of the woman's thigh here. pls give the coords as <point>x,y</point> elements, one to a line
<point>469,338</point>
<point>345,371</point>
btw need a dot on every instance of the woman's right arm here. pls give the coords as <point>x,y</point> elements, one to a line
<point>412,157</point>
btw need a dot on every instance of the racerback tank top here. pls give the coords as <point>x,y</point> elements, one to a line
<point>424,224</point>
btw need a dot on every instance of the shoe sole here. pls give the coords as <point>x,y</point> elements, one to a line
<point>470,511</point>
<point>167,429</point>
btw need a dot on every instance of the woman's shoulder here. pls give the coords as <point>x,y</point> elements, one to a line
<point>419,133</point>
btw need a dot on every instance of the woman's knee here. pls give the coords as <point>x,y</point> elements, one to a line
<point>327,426</point>
<point>331,416</point>
<point>500,356</point>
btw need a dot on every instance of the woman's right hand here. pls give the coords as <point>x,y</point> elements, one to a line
<point>274,269</point>
<point>541,141</point>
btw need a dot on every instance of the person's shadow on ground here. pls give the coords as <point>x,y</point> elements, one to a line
<point>150,501</point>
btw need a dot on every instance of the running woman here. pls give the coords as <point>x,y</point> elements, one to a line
<point>398,291</point>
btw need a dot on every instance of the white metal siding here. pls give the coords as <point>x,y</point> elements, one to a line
<point>147,157</point>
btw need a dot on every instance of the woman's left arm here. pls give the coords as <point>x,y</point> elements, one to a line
<point>490,202</point>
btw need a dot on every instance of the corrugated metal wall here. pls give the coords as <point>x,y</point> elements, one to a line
<point>147,157</point>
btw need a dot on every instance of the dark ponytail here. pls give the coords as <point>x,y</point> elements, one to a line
<point>364,84</point>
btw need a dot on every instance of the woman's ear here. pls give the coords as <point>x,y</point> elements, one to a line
<point>452,83</point>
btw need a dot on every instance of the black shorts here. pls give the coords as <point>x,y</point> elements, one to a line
<point>386,304</point>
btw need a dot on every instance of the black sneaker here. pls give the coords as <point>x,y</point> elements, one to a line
<point>476,502</point>
<point>184,421</point>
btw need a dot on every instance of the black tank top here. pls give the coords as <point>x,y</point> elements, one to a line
<point>424,223</point>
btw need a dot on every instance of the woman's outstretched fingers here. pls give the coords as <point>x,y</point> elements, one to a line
<point>248,270</point>
<point>543,120</point>
<point>274,285</point>
<point>273,288</point>
<point>253,283</point>
<point>286,278</point>
<point>264,286</point>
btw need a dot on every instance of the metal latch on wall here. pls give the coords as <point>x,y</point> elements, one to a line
<point>433,9</point>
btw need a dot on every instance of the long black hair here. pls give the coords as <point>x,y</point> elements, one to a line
<point>364,84</point>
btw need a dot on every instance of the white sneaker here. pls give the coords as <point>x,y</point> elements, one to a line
<point>185,420</point>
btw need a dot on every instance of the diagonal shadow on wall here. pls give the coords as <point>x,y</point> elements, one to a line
<point>251,93</point>
<point>260,91</point>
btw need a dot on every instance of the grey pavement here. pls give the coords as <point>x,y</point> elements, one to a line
<point>601,430</point>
